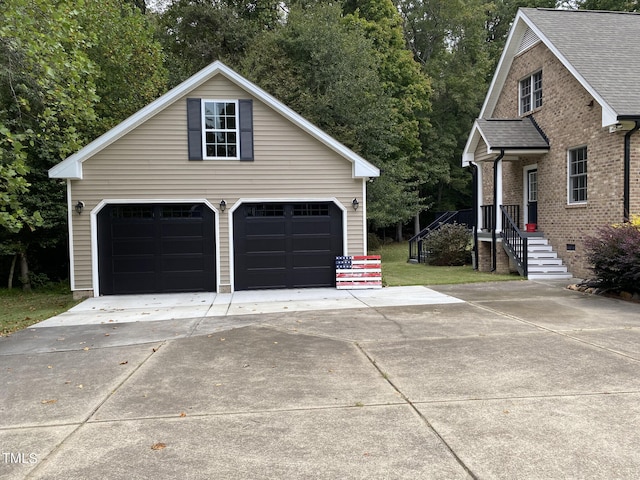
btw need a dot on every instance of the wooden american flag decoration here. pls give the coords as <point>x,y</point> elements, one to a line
<point>358,271</point>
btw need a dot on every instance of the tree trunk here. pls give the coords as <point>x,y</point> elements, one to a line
<point>399,232</point>
<point>416,224</point>
<point>24,272</point>
<point>12,270</point>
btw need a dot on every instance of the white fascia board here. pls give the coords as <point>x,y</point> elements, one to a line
<point>609,115</point>
<point>71,167</point>
<point>512,44</point>
<point>518,29</point>
<point>468,154</point>
<point>361,169</point>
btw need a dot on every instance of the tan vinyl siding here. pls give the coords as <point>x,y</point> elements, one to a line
<point>481,155</point>
<point>151,162</point>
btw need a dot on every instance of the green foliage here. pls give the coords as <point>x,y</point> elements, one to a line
<point>395,196</point>
<point>46,103</point>
<point>194,33</point>
<point>447,37</point>
<point>69,70</point>
<point>448,245</point>
<point>614,253</point>
<point>612,5</point>
<point>13,184</point>
<point>130,71</point>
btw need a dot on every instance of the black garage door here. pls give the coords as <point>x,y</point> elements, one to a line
<point>156,249</point>
<point>280,245</point>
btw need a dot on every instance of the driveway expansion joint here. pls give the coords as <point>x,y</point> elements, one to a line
<point>424,419</point>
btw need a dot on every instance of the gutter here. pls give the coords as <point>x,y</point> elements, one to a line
<point>494,219</point>
<point>627,170</point>
<point>474,176</point>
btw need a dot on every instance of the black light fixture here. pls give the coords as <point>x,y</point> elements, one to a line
<point>79,207</point>
<point>355,204</point>
<point>223,205</point>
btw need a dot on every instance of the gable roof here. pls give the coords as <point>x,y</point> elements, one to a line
<point>515,136</point>
<point>599,48</point>
<point>71,167</point>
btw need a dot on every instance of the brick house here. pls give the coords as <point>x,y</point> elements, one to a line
<point>555,146</point>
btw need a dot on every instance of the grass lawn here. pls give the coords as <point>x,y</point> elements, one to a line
<point>20,309</point>
<point>397,272</point>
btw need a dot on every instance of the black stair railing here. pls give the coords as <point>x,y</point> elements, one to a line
<point>415,243</point>
<point>513,239</point>
<point>487,217</point>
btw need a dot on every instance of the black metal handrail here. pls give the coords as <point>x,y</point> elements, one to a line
<point>487,217</point>
<point>513,239</point>
<point>415,242</point>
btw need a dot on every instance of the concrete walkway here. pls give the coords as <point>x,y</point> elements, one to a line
<point>500,380</point>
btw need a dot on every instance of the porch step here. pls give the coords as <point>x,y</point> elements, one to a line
<point>549,276</point>
<point>543,262</point>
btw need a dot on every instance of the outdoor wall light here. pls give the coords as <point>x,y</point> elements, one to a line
<point>79,207</point>
<point>223,205</point>
<point>355,204</point>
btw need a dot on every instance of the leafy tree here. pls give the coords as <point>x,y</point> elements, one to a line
<point>447,37</point>
<point>130,63</point>
<point>395,197</point>
<point>47,101</point>
<point>56,61</point>
<point>194,33</point>
<point>612,5</point>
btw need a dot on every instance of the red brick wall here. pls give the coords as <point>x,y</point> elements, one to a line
<point>570,117</point>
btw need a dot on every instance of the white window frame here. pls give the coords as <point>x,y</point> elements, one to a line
<point>206,130</point>
<point>571,177</point>
<point>534,95</point>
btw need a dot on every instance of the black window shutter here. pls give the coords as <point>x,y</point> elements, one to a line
<point>246,129</point>
<point>194,128</point>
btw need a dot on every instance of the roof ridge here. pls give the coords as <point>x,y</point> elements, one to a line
<point>546,9</point>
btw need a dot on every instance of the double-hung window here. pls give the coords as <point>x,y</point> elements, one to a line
<point>530,93</point>
<point>577,175</point>
<point>220,133</point>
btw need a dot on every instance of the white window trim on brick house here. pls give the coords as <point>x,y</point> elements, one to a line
<point>574,177</point>
<point>533,96</point>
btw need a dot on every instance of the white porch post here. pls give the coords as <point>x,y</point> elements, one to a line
<point>479,197</point>
<point>498,196</point>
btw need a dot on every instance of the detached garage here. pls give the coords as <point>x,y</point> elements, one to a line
<point>215,186</point>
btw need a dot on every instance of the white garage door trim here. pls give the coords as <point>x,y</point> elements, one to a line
<point>241,201</point>
<point>95,276</point>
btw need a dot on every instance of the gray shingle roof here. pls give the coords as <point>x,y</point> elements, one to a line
<point>603,47</point>
<point>516,134</point>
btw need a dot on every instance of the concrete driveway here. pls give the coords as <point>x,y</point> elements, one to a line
<point>500,380</point>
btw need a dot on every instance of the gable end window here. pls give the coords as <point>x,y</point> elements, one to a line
<point>530,93</point>
<point>220,129</point>
<point>220,133</point>
<point>577,174</point>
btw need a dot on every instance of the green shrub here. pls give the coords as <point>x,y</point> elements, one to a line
<point>614,254</point>
<point>448,245</point>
